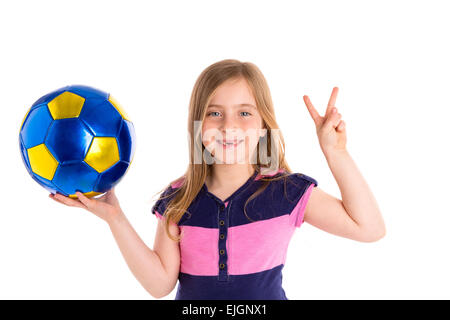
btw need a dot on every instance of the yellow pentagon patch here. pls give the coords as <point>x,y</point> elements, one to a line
<point>118,107</point>
<point>103,153</point>
<point>89,194</point>
<point>66,105</point>
<point>42,161</point>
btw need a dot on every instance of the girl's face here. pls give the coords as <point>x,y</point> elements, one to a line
<point>232,125</point>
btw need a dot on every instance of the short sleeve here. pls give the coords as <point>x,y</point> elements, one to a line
<point>161,204</point>
<point>299,188</point>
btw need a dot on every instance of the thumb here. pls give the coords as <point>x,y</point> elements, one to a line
<point>110,194</point>
<point>111,197</point>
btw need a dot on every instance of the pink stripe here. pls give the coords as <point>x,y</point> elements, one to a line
<point>297,215</point>
<point>199,251</point>
<point>226,203</point>
<point>259,246</point>
<point>252,247</point>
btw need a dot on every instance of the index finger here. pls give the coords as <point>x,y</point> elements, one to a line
<point>312,111</point>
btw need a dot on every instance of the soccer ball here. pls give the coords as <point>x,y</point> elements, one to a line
<point>77,138</point>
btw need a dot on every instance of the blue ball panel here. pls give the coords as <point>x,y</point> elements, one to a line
<point>74,177</point>
<point>50,96</point>
<point>88,92</point>
<point>35,126</point>
<point>127,141</point>
<point>24,154</point>
<point>68,139</point>
<point>47,184</point>
<point>111,177</point>
<point>101,117</point>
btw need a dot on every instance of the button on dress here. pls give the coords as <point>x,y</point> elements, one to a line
<point>227,256</point>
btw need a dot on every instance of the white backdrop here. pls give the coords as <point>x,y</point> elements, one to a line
<point>390,60</point>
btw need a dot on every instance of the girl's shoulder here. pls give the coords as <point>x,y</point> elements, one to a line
<point>302,179</point>
<point>166,195</point>
<point>296,187</point>
<point>289,188</point>
<point>295,178</point>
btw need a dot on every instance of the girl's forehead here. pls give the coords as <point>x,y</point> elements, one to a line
<point>250,105</point>
<point>233,93</point>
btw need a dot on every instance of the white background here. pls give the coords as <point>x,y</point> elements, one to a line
<point>390,60</point>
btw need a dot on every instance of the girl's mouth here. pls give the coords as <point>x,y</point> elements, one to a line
<point>229,144</point>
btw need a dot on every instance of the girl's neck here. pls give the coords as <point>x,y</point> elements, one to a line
<point>228,175</point>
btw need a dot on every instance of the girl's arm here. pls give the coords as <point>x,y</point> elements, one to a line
<point>156,270</point>
<point>357,216</point>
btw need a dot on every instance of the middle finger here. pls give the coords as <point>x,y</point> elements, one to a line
<point>332,101</point>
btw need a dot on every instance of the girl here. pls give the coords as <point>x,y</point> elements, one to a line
<point>225,225</point>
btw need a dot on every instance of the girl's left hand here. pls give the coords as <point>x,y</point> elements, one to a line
<point>330,128</point>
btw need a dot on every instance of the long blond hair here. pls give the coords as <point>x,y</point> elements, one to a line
<point>191,182</point>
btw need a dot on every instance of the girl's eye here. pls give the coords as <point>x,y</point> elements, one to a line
<point>247,113</point>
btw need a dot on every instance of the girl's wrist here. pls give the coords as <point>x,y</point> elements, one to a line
<point>330,154</point>
<point>115,217</point>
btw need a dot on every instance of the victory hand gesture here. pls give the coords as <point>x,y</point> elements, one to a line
<point>330,128</point>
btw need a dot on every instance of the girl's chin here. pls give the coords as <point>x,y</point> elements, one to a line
<point>229,158</point>
<point>219,161</point>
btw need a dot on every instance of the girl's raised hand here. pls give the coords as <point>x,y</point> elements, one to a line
<point>105,207</point>
<point>330,128</point>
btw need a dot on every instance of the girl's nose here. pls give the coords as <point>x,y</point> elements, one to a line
<point>229,125</point>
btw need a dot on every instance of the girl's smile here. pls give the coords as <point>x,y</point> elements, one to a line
<point>229,144</point>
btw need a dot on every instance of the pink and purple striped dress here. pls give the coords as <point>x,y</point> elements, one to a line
<point>226,256</point>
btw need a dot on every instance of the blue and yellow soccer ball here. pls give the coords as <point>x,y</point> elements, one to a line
<point>77,138</point>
